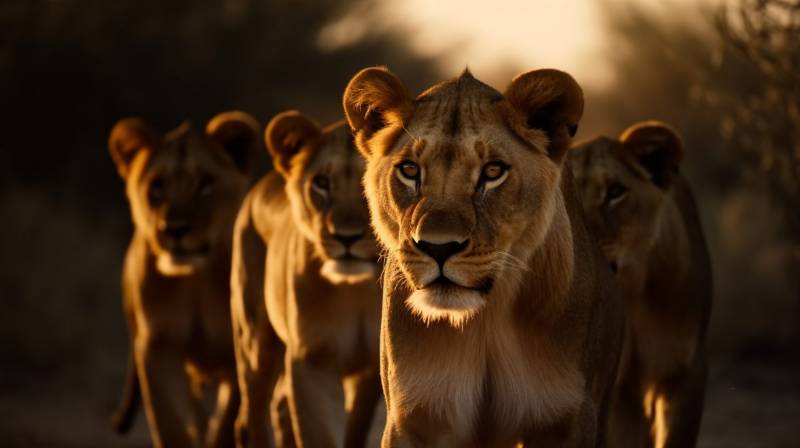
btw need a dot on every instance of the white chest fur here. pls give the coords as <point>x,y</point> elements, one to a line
<point>487,374</point>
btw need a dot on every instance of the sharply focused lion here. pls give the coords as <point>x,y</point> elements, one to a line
<point>645,217</point>
<point>305,295</point>
<point>501,324</point>
<point>184,189</point>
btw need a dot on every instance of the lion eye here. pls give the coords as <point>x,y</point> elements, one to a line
<point>155,192</point>
<point>206,186</point>
<point>615,192</point>
<point>409,173</point>
<point>493,170</point>
<point>493,174</point>
<point>321,184</point>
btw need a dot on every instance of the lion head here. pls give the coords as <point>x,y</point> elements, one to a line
<point>463,181</point>
<point>184,187</point>
<point>624,184</point>
<point>322,172</point>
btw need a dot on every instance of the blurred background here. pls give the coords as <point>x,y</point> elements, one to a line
<point>725,73</point>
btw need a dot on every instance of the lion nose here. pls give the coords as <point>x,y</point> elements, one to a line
<point>177,230</point>
<point>347,240</point>
<point>441,252</point>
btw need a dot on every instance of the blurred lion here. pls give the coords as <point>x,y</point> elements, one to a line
<point>500,322</point>
<point>645,217</point>
<point>305,296</point>
<point>184,189</point>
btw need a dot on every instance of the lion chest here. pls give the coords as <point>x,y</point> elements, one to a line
<point>188,316</point>
<point>664,346</point>
<point>473,381</point>
<point>340,323</point>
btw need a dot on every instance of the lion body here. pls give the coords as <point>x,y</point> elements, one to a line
<point>519,342</point>
<point>653,236</point>
<point>302,331</point>
<point>183,190</point>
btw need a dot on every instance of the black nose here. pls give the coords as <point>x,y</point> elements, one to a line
<point>440,252</point>
<point>176,230</point>
<point>347,240</point>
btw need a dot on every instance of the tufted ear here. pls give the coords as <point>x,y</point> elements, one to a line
<point>286,135</point>
<point>373,100</point>
<point>547,100</point>
<point>128,137</point>
<point>237,132</point>
<point>655,148</point>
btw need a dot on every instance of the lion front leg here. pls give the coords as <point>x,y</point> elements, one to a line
<point>221,426</point>
<point>680,410</point>
<point>167,396</point>
<point>252,421</point>
<point>256,384</point>
<point>628,425</point>
<point>282,415</point>
<point>366,390</point>
<point>316,401</point>
<point>393,437</point>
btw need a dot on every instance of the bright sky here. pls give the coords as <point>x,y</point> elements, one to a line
<point>491,35</point>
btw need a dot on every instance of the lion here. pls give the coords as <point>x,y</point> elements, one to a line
<point>643,212</point>
<point>184,189</point>
<point>501,325</point>
<point>305,295</point>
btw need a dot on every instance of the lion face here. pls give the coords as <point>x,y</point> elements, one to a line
<point>462,183</point>
<point>323,170</point>
<point>184,188</point>
<point>623,185</point>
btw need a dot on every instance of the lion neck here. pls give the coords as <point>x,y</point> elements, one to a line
<point>546,287</point>
<point>668,259</point>
<point>661,266</point>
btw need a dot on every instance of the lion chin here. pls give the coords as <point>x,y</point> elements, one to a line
<point>170,265</point>
<point>348,272</point>
<point>455,304</point>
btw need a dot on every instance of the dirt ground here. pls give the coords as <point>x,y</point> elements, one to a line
<point>749,404</point>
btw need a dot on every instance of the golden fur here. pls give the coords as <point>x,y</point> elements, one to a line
<point>184,189</point>
<point>512,335</point>
<point>306,310</point>
<point>643,212</point>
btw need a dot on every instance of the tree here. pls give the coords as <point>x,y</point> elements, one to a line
<point>763,125</point>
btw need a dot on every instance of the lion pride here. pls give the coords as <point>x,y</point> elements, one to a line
<point>501,325</point>
<point>184,188</point>
<point>644,214</point>
<point>305,295</point>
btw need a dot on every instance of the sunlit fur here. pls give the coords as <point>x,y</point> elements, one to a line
<point>492,348</point>
<point>653,237</point>
<point>184,189</point>
<point>343,211</point>
<point>306,310</point>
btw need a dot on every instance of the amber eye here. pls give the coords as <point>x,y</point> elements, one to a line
<point>409,170</point>
<point>492,175</point>
<point>615,191</point>
<point>206,186</point>
<point>155,192</point>
<point>321,184</point>
<point>493,170</point>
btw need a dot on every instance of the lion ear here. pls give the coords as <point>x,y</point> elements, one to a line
<point>127,138</point>
<point>237,133</point>
<point>373,100</point>
<point>655,148</point>
<point>546,100</point>
<point>286,135</point>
